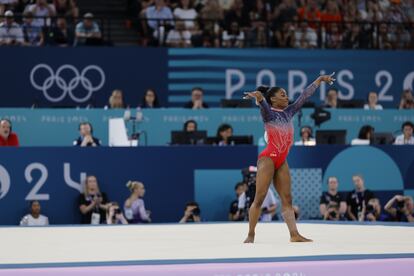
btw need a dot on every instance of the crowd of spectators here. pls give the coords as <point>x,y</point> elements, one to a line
<point>331,24</point>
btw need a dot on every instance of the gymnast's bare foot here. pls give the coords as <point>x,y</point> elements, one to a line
<point>296,237</point>
<point>249,239</point>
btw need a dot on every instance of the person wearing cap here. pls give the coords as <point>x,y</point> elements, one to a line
<point>10,32</point>
<point>87,31</point>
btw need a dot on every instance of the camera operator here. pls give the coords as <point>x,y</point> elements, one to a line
<point>114,215</point>
<point>92,203</point>
<point>372,211</point>
<point>191,213</point>
<point>332,211</point>
<point>400,208</point>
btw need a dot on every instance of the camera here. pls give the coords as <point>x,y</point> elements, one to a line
<point>370,208</point>
<point>400,204</point>
<point>196,211</point>
<point>249,177</point>
<point>333,214</point>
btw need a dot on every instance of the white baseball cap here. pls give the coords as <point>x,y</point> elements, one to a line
<point>9,14</point>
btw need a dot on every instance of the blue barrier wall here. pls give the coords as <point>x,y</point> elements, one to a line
<point>59,127</point>
<point>175,175</point>
<point>81,76</point>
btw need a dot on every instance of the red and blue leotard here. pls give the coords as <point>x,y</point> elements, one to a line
<point>279,127</point>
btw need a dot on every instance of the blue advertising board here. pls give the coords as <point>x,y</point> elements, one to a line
<point>87,76</point>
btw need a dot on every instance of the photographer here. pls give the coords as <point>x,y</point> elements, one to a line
<point>332,211</point>
<point>92,203</point>
<point>191,213</point>
<point>114,215</point>
<point>372,211</point>
<point>403,210</point>
<point>236,214</point>
<point>332,198</point>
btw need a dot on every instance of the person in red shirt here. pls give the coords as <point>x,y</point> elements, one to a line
<point>310,12</point>
<point>7,137</point>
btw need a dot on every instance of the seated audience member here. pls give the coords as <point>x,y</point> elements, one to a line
<point>305,37</point>
<point>357,198</point>
<point>190,126</point>
<point>269,205</point>
<point>179,37</point>
<point>401,208</point>
<point>87,31</point>
<point>134,206</point>
<point>365,136</point>
<point>407,137</point>
<point>150,99</point>
<point>331,100</point>
<point>372,211</point>
<point>11,33</point>
<point>61,35</point>
<point>233,37</point>
<point>196,99</point>
<point>185,11</point>
<point>306,137</point>
<point>114,214</point>
<point>332,199</point>
<point>93,203</point>
<point>7,137</point>
<point>191,213</point>
<point>86,138</point>
<point>224,132</point>
<point>236,214</point>
<point>407,100</point>
<point>116,100</point>
<point>34,218</point>
<point>159,16</point>
<point>373,102</point>
<point>41,9</point>
<point>66,8</point>
<point>33,35</point>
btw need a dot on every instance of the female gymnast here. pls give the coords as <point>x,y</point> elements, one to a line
<point>277,115</point>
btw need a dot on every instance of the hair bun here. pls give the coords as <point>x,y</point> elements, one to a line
<point>262,89</point>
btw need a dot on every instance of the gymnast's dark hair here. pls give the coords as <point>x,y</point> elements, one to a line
<point>268,92</point>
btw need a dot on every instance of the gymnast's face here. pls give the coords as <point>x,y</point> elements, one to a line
<point>280,99</point>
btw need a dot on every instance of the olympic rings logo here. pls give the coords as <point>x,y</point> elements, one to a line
<point>67,87</point>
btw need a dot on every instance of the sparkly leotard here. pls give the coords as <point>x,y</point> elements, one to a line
<point>279,127</point>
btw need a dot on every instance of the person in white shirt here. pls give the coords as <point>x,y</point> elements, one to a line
<point>306,138</point>
<point>185,11</point>
<point>268,207</point>
<point>305,37</point>
<point>365,136</point>
<point>11,33</point>
<point>373,102</point>
<point>34,218</point>
<point>233,37</point>
<point>179,37</point>
<point>43,10</point>
<point>407,137</point>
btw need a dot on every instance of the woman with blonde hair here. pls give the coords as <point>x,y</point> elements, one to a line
<point>134,206</point>
<point>93,204</point>
<point>116,100</point>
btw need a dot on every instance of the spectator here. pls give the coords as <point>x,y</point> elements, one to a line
<point>224,132</point>
<point>407,137</point>
<point>331,14</point>
<point>400,38</point>
<point>61,35</point>
<point>331,100</point>
<point>260,13</point>
<point>286,11</point>
<point>285,37</point>
<point>233,37</point>
<point>191,213</point>
<point>93,203</point>
<point>407,100</point>
<point>190,126</point>
<point>150,99</point>
<point>394,13</point>
<point>365,136</point>
<point>237,13</point>
<point>383,41</point>
<point>185,11</point>
<point>236,214</point>
<point>372,211</point>
<point>10,32</point>
<point>357,198</point>
<point>353,38</point>
<point>7,4</point>
<point>260,37</point>
<point>159,17</point>
<point>134,206</point>
<point>33,35</point>
<point>333,37</point>
<point>86,138</point>
<point>7,137</point>
<point>66,8</point>
<point>179,37</point>
<point>332,201</point>
<point>309,11</point>
<point>88,32</point>
<point>114,214</point>
<point>305,37</point>
<point>373,101</point>
<point>306,137</point>
<point>42,11</point>
<point>374,13</point>
<point>213,14</point>
<point>35,218</point>
<point>116,100</point>
<point>196,99</point>
<point>401,208</point>
<point>226,4</point>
